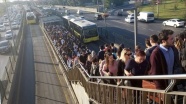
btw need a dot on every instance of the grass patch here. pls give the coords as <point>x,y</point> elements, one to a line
<point>167,10</point>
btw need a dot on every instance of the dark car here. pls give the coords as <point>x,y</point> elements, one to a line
<point>5,46</point>
<point>120,13</point>
<point>98,17</point>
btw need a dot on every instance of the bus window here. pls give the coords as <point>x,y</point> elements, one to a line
<point>90,33</point>
<point>30,18</point>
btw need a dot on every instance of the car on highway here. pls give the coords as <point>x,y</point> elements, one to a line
<point>2,28</point>
<point>15,25</point>
<point>79,12</point>
<point>146,16</point>
<point>131,15</point>
<point>120,13</point>
<point>98,17</point>
<point>6,23</point>
<point>5,46</point>
<point>129,19</point>
<point>8,34</point>
<point>105,15</point>
<point>174,22</point>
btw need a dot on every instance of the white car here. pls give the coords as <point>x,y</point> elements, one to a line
<point>6,23</point>
<point>2,28</point>
<point>129,19</point>
<point>174,22</point>
<point>79,12</point>
<point>14,25</point>
<point>9,34</point>
<point>131,15</point>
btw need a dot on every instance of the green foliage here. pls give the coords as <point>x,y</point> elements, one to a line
<point>184,15</point>
<point>167,9</point>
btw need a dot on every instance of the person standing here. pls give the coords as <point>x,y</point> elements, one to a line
<point>164,59</point>
<point>136,67</point>
<point>154,44</point>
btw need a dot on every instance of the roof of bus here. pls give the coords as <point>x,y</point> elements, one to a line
<point>83,23</point>
<point>76,19</point>
<point>50,19</point>
<point>29,14</point>
<point>69,17</point>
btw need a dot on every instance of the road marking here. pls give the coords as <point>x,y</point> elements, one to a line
<point>151,30</point>
<point>55,68</point>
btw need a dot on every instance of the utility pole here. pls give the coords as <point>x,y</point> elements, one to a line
<point>97,6</point>
<point>135,27</point>
<point>157,8</point>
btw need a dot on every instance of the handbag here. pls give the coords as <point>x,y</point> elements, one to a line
<point>148,84</point>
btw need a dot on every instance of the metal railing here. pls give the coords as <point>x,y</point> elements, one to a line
<point>114,94</point>
<point>7,78</point>
<point>109,94</point>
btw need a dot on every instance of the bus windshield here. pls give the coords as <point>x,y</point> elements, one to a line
<point>90,32</point>
<point>30,17</point>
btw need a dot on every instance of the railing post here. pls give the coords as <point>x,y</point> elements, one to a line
<point>7,74</point>
<point>118,95</point>
<point>144,97</point>
<point>11,65</point>
<point>3,91</point>
<point>168,99</point>
<point>129,96</point>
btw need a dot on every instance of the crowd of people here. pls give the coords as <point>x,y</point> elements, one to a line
<point>164,55</point>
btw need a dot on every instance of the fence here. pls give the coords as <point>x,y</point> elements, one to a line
<point>6,80</point>
<point>113,94</point>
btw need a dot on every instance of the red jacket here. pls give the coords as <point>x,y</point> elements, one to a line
<point>159,66</point>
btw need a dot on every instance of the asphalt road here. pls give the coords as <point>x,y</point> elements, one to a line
<point>122,32</point>
<point>24,79</point>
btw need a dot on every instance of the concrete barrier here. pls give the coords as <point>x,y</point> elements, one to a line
<point>80,92</point>
<point>78,8</point>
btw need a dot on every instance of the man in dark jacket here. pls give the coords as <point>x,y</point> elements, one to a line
<point>101,53</point>
<point>164,59</point>
<point>154,44</point>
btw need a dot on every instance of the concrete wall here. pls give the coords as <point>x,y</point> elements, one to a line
<point>81,95</point>
<point>80,8</point>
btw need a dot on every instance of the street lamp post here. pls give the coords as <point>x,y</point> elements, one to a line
<point>135,27</point>
<point>97,6</point>
<point>157,8</point>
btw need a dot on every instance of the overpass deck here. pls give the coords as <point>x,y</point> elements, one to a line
<point>39,80</point>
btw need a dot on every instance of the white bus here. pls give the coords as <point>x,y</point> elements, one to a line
<point>66,21</point>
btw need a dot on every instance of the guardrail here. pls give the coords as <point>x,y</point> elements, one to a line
<point>113,94</point>
<point>6,80</point>
<point>79,8</point>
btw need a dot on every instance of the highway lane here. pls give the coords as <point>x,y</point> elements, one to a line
<point>117,25</point>
<point>122,32</point>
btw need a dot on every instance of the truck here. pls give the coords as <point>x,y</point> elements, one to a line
<point>146,16</point>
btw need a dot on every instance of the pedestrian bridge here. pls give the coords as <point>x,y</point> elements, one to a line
<point>84,90</point>
<point>88,91</point>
